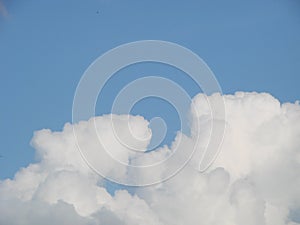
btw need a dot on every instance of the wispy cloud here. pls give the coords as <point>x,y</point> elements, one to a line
<point>3,10</point>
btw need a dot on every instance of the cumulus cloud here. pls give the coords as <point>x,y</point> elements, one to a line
<point>255,179</point>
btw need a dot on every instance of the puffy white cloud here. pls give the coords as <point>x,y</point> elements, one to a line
<point>255,179</point>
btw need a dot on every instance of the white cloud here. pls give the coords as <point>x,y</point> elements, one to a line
<point>255,179</point>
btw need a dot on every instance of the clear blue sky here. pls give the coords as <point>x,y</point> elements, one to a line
<point>45,46</point>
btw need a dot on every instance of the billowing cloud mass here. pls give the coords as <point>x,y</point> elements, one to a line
<point>255,180</point>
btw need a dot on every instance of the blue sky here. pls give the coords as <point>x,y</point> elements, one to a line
<point>45,46</point>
